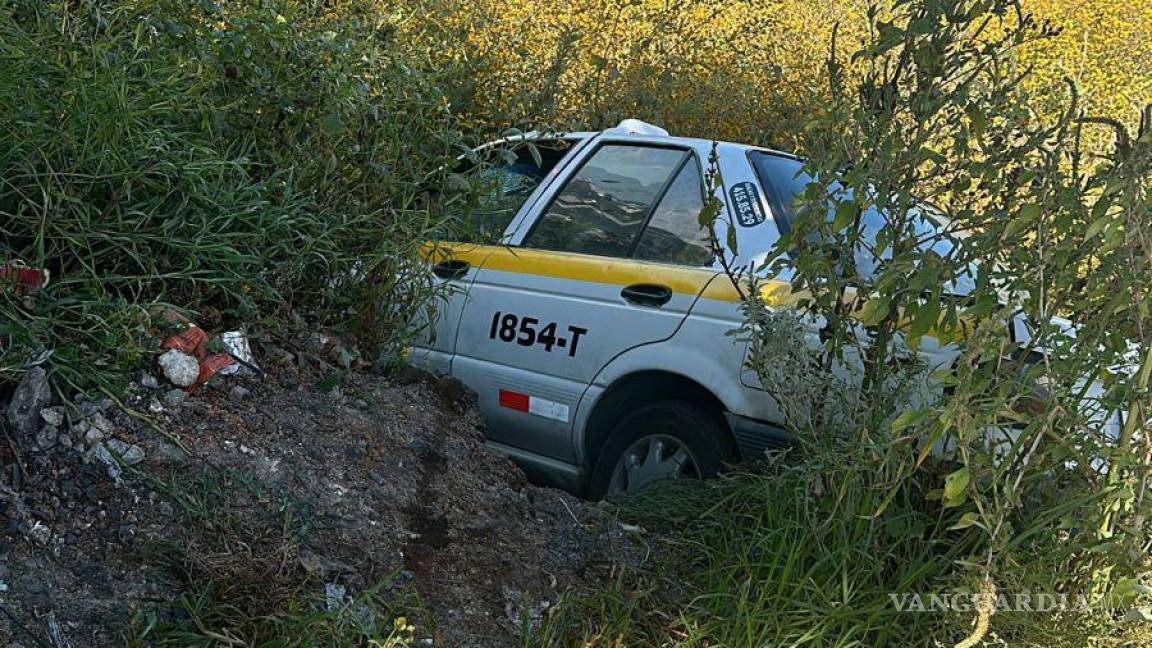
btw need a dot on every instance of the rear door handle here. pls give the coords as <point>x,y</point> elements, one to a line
<point>451,269</point>
<point>653,295</point>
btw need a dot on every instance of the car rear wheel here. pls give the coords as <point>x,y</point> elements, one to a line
<point>667,440</point>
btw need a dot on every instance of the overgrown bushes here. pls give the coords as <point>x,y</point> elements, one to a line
<point>249,159</point>
<point>945,209</point>
<point>945,203</point>
<point>740,70</point>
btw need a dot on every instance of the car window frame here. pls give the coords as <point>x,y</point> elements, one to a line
<point>554,194</point>
<point>566,146</point>
<point>785,218</point>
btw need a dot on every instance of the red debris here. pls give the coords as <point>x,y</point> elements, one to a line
<point>22,278</point>
<point>190,341</point>
<point>211,364</point>
<point>194,342</point>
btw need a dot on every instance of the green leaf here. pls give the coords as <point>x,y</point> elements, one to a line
<point>977,118</point>
<point>709,213</point>
<point>956,486</point>
<point>927,315</point>
<point>845,216</point>
<point>332,124</point>
<point>1095,228</point>
<point>968,519</point>
<point>1029,212</point>
<point>873,311</point>
<point>732,241</point>
<point>909,418</point>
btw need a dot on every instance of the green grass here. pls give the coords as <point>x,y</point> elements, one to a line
<point>783,558</point>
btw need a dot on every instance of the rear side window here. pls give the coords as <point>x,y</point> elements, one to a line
<point>673,234</point>
<point>783,179</point>
<point>606,203</point>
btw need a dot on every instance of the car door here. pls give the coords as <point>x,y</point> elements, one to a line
<point>579,286</point>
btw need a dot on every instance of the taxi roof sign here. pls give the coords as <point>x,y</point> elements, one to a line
<point>637,127</point>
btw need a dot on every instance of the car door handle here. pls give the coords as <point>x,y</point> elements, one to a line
<point>647,294</point>
<point>451,269</point>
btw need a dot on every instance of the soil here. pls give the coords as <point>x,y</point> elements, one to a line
<point>384,481</point>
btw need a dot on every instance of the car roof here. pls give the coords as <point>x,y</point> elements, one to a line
<point>641,131</point>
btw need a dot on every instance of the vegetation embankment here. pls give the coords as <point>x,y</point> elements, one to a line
<point>246,161</point>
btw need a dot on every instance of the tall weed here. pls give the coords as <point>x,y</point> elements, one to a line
<point>248,158</point>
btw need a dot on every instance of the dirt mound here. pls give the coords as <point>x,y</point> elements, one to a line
<point>293,486</point>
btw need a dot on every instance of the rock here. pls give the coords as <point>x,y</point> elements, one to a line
<point>94,436</point>
<point>46,437</point>
<point>179,368</point>
<point>55,632</point>
<point>148,381</point>
<point>100,452</point>
<point>239,394</point>
<point>155,406</point>
<point>32,395</point>
<point>175,396</point>
<point>128,453</point>
<point>91,408</point>
<point>40,533</point>
<point>101,424</point>
<point>53,416</point>
<point>334,596</point>
<point>169,453</point>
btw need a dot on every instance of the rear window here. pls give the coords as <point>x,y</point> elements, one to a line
<point>784,181</point>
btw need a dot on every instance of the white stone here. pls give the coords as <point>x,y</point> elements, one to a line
<point>179,368</point>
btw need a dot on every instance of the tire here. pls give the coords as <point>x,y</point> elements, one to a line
<point>699,432</point>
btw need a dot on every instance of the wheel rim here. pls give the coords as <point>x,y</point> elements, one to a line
<point>649,460</point>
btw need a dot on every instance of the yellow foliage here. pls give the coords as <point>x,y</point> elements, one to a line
<point>1106,48</point>
<point>732,69</point>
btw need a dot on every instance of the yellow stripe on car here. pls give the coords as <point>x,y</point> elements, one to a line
<point>626,272</point>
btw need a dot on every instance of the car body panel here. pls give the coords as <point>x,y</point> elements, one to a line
<point>439,324</point>
<point>689,335</point>
<point>581,296</point>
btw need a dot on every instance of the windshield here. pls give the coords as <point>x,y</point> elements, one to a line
<point>499,188</point>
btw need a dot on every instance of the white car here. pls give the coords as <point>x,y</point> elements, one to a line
<point>596,331</point>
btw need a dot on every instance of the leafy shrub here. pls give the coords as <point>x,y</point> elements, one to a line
<point>254,158</point>
<point>1021,441</point>
<point>739,70</point>
<point>1001,479</point>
